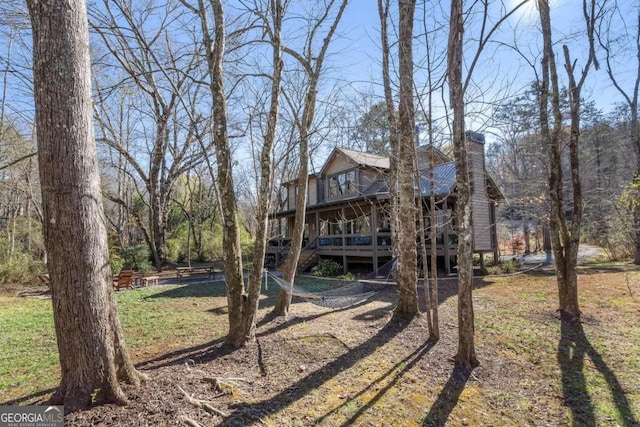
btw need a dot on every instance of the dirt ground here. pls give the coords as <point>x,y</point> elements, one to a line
<point>320,360</point>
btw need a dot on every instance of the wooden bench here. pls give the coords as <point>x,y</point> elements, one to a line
<point>150,281</point>
<point>125,280</point>
<point>187,271</point>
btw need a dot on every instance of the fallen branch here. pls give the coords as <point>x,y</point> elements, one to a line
<point>224,385</point>
<point>202,404</point>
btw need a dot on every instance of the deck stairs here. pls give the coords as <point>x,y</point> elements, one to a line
<point>308,257</point>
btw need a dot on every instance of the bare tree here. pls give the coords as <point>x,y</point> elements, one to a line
<point>565,236</point>
<point>312,63</point>
<point>270,16</point>
<point>406,162</point>
<point>140,42</point>
<point>431,63</point>
<point>629,88</point>
<point>466,355</point>
<point>215,51</point>
<point>93,356</point>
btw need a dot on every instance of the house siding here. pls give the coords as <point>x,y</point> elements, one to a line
<point>354,230</point>
<point>312,198</point>
<point>480,203</point>
<point>340,163</point>
<point>291,196</point>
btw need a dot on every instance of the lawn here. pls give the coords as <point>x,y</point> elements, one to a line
<point>357,366</point>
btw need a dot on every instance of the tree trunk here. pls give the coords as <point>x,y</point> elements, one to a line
<point>265,193</point>
<point>313,65</point>
<point>228,206</point>
<point>383,12</point>
<point>291,263</point>
<point>466,355</point>
<point>93,356</point>
<point>407,255</point>
<point>551,138</point>
<point>434,334</point>
<point>565,237</point>
<point>635,137</point>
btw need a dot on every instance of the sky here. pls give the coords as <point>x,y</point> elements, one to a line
<point>500,73</point>
<point>361,34</point>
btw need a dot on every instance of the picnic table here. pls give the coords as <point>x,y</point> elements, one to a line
<point>198,269</point>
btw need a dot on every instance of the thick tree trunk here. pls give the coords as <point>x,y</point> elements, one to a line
<point>158,230</point>
<point>90,342</point>
<point>236,297</point>
<point>466,355</point>
<point>407,254</point>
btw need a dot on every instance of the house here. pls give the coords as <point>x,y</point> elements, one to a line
<point>348,218</point>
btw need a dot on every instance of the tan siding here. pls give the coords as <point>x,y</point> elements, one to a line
<point>339,163</point>
<point>313,191</point>
<point>291,196</point>
<point>480,200</point>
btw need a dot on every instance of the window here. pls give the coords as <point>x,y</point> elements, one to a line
<point>342,184</point>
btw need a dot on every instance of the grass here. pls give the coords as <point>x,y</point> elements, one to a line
<point>155,320</point>
<point>535,370</point>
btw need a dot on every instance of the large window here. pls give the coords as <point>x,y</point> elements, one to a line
<point>342,184</point>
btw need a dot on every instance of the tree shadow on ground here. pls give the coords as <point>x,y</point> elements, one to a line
<point>573,348</point>
<point>209,351</point>
<point>247,413</point>
<point>24,399</point>
<point>197,354</point>
<point>189,290</point>
<point>448,397</point>
<point>407,363</point>
<point>448,287</point>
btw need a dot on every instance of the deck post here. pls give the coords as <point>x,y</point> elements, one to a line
<point>445,249</point>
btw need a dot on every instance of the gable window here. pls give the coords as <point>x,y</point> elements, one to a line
<point>342,184</point>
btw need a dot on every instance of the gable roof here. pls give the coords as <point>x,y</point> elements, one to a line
<point>357,158</point>
<point>366,159</point>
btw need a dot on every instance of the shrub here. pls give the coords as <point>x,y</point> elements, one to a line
<point>116,262</point>
<point>508,266</point>
<point>349,277</point>
<point>20,269</point>
<point>493,270</point>
<point>137,257</point>
<point>327,267</point>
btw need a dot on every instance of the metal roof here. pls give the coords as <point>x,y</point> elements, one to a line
<point>444,176</point>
